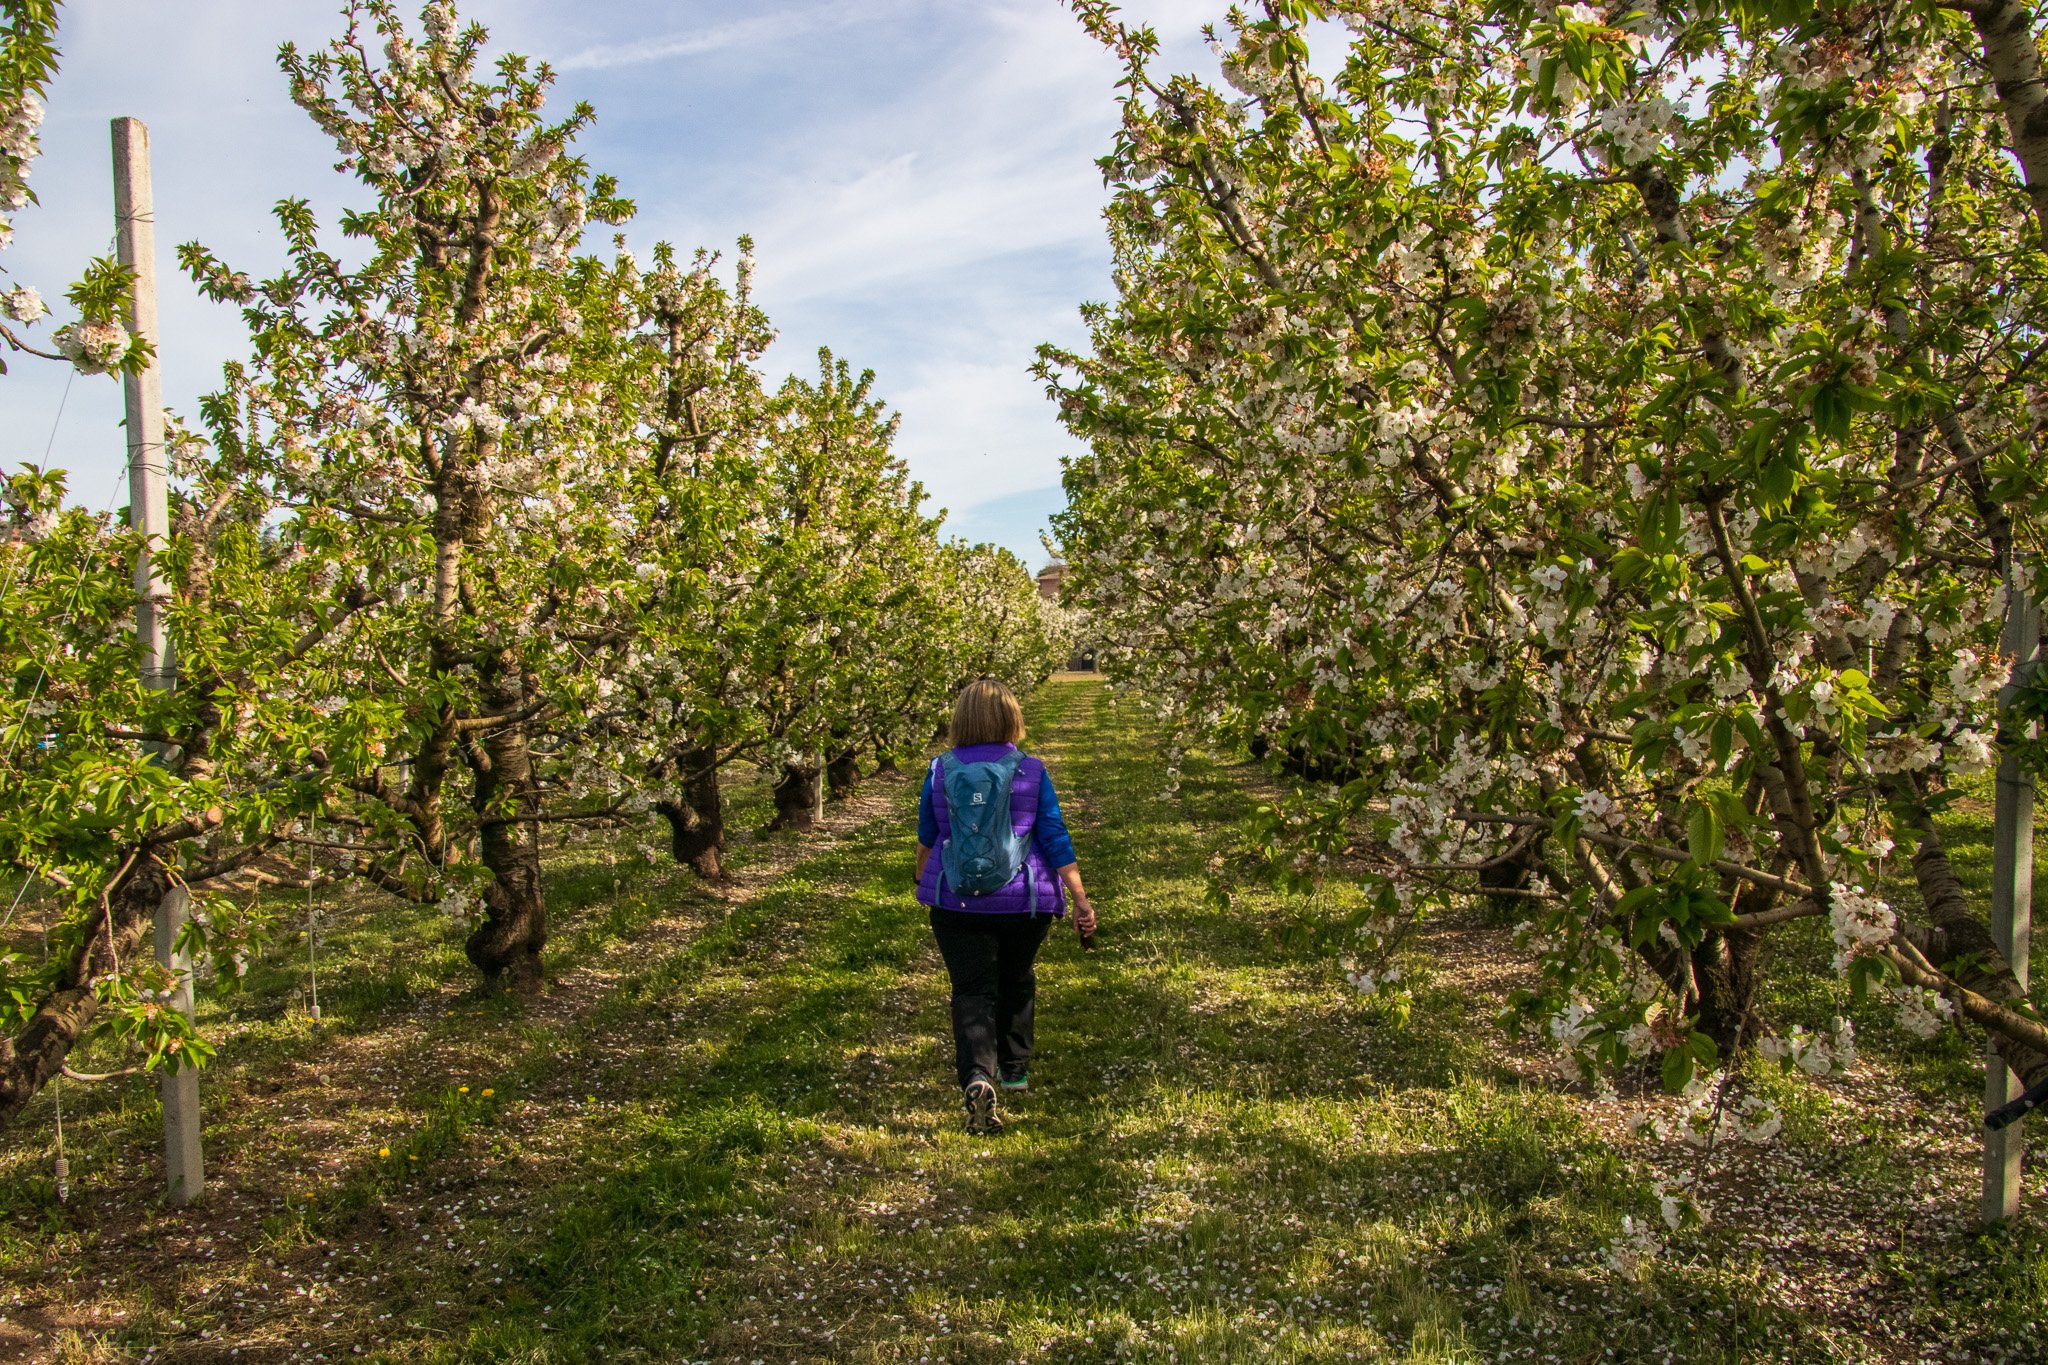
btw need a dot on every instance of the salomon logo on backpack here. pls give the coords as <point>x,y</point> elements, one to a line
<point>982,853</point>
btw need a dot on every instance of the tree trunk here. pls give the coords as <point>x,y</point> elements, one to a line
<point>1961,944</point>
<point>842,775</point>
<point>1511,872</point>
<point>796,794</point>
<point>885,764</point>
<point>1724,969</point>
<point>2012,56</point>
<point>506,947</point>
<point>696,814</point>
<point>35,1053</point>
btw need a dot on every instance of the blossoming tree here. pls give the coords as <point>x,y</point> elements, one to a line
<point>97,342</point>
<point>998,625</point>
<point>438,408</point>
<point>1596,448</point>
<point>112,793</point>
<point>490,533</point>
<point>115,793</point>
<point>696,489</point>
<point>846,543</point>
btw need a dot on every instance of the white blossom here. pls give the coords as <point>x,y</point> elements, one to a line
<point>1862,923</point>
<point>22,303</point>
<point>92,347</point>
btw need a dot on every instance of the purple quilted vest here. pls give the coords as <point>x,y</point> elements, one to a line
<point>1014,899</point>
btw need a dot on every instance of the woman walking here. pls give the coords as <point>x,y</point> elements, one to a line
<point>1003,872</point>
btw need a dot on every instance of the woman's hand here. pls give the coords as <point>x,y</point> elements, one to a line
<point>1084,909</point>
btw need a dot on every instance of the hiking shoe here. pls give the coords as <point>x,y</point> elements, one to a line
<point>981,1107</point>
<point>1020,1081</point>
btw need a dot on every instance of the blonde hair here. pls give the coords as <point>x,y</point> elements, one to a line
<point>986,712</point>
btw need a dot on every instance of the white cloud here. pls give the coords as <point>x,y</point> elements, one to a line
<point>755,32</point>
<point>919,176</point>
<point>938,234</point>
<point>987,154</point>
<point>980,432</point>
<point>226,144</point>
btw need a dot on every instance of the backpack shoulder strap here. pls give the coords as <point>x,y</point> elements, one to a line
<point>940,810</point>
<point>943,813</point>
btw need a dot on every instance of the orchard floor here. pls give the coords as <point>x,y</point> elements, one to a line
<point>726,1133</point>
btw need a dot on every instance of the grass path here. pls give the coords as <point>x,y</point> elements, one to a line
<point>730,1135</point>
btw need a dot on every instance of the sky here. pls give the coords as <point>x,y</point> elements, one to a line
<point>918,176</point>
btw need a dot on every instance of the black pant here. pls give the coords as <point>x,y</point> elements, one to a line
<point>990,959</point>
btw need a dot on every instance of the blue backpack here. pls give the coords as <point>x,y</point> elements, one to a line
<point>982,854</point>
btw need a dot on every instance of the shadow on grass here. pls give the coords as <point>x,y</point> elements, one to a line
<point>1220,1159</point>
<point>751,1149</point>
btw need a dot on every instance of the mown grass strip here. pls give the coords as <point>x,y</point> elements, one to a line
<point>1221,1158</point>
<point>749,1147</point>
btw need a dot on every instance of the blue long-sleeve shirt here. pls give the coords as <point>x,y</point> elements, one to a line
<point>1048,832</point>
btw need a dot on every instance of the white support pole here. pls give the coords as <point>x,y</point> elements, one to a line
<point>184,1161</point>
<point>135,236</point>
<point>2012,905</point>
<point>818,790</point>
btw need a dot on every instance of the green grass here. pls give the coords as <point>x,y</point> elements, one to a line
<point>744,1145</point>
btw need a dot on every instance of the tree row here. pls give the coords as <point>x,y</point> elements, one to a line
<point>490,533</point>
<point>1597,452</point>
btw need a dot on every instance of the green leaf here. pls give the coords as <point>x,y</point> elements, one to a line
<point>1734,815</point>
<point>1703,833</point>
<point>1832,409</point>
<point>1777,481</point>
<point>1634,900</point>
<point>1864,973</point>
<point>1678,1069</point>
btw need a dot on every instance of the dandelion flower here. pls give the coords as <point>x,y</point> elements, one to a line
<point>488,1092</point>
<point>383,1151</point>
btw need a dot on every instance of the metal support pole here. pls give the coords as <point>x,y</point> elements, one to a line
<point>2012,905</point>
<point>135,236</point>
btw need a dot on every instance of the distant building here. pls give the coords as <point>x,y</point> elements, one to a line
<point>1050,580</point>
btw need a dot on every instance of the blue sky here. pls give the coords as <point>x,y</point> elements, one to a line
<point>918,176</point>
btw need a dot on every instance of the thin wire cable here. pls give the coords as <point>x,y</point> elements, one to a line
<point>43,669</point>
<point>77,590</point>
<point>26,880</point>
<point>62,399</point>
<point>312,928</point>
<point>60,1169</point>
<point>14,563</point>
